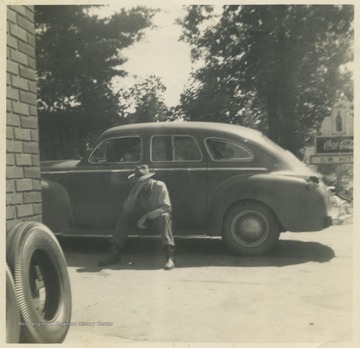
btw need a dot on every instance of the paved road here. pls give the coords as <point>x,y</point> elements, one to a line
<point>302,292</point>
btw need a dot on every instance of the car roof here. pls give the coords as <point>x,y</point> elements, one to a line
<point>215,127</point>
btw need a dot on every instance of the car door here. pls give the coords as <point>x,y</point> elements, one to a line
<point>100,186</point>
<point>178,161</point>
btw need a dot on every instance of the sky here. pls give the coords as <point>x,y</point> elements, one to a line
<point>159,53</point>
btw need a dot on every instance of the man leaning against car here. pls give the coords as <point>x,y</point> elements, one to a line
<point>148,206</point>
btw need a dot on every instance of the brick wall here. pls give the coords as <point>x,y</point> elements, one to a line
<point>23,190</point>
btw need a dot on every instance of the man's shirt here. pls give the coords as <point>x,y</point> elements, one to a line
<point>156,197</point>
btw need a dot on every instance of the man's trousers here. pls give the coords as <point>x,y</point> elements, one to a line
<point>127,222</point>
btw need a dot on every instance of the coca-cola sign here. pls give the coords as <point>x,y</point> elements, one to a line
<point>334,145</point>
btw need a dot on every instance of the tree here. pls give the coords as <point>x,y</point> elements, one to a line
<point>78,54</point>
<point>143,102</point>
<point>273,67</point>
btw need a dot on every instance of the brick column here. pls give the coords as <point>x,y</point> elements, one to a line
<point>23,189</point>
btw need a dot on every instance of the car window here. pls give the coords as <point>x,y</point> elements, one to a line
<point>223,150</point>
<point>186,149</point>
<point>175,148</point>
<point>125,150</point>
<point>161,149</point>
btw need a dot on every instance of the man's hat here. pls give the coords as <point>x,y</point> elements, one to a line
<point>141,173</point>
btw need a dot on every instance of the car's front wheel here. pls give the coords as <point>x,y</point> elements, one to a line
<point>250,228</point>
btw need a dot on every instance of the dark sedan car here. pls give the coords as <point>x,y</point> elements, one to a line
<point>224,180</point>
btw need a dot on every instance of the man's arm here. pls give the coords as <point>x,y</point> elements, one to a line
<point>131,200</point>
<point>164,207</point>
<point>155,213</point>
<point>164,204</point>
<point>151,215</point>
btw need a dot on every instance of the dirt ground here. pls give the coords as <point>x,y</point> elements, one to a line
<point>301,292</point>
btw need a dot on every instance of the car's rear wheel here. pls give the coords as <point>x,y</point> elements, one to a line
<point>41,283</point>
<point>250,228</point>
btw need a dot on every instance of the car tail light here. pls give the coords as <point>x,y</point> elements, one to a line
<point>313,183</point>
<point>314,179</point>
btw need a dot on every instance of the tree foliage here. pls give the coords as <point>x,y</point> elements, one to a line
<point>144,102</point>
<point>275,67</point>
<point>78,54</point>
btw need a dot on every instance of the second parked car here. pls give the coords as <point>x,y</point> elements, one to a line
<point>224,180</point>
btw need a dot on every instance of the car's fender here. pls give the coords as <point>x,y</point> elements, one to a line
<point>56,206</point>
<point>296,207</point>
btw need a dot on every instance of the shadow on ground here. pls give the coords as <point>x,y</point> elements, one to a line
<point>147,254</point>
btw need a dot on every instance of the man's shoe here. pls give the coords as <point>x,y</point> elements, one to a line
<point>169,256</point>
<point>113,257</point>
<point>169,265</point>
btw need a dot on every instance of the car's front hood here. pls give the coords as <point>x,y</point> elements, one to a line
<point>62,165</point>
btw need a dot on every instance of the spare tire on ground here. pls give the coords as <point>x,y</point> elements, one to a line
<point>12,311</point>
<point>42,284</point>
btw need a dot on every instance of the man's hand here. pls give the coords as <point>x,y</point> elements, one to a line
<point>141,222</point>
<point>137,188</point>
